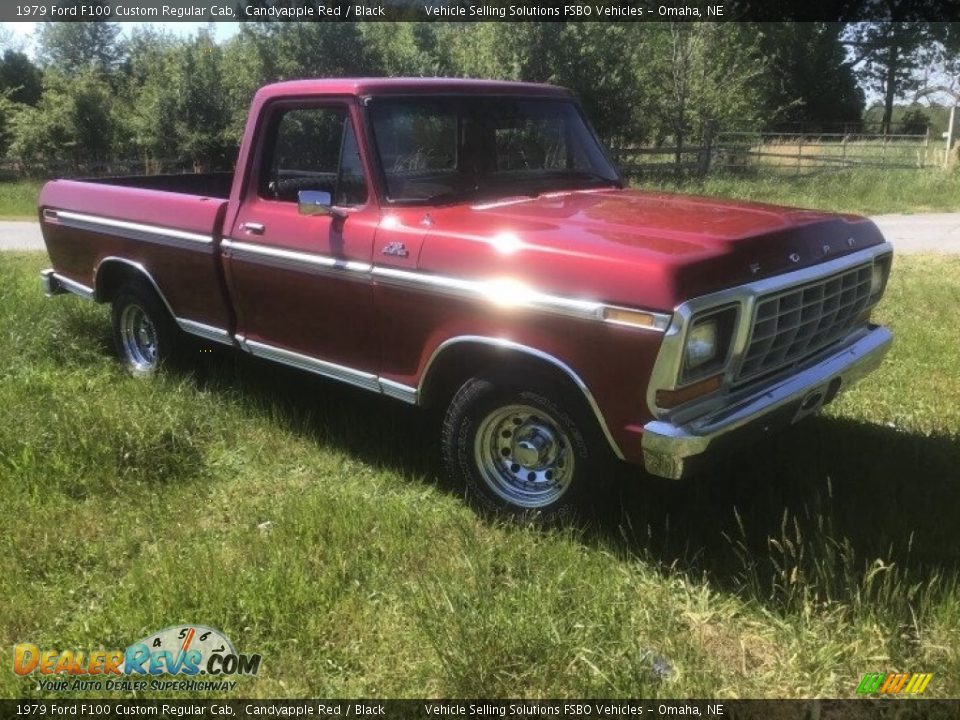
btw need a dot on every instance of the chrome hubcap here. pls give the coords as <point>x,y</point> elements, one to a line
<point>524,456</point>
<point>139,338</point>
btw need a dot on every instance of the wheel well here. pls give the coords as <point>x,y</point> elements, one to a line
<point>457,364</point>
<point>114,273</point>
<point>111,276</point>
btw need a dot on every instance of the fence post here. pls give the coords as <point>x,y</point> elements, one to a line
<point>950,135</point>
<point>926,148</point>
<point>706,148</point>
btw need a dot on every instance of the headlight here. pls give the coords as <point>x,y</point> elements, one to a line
<point>878,277</point>
<point>706,349</point>
<point>701,344</point>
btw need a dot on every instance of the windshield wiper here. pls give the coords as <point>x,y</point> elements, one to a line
<point>446,197</point>
<point>585,175</point>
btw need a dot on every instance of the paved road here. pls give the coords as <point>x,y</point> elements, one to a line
<point>936,232</point>
<point>20,236</point>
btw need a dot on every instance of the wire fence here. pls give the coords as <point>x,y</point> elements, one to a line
<point>782,151</point>
<point>17,169</point>
<point>799,153</point>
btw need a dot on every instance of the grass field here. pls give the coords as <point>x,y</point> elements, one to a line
<point>868,192</point>
<point>18,200</point>
<point>308,522</point>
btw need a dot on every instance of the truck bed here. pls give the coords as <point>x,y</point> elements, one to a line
<point>214,185</point>
<point>167,226</point>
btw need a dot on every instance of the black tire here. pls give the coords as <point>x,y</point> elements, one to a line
<point>557,458</point>
<point>144,334</point>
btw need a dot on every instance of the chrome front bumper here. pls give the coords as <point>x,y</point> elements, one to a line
<point>674,451</point>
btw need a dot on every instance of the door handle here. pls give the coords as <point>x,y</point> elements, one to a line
<point>253,228</point>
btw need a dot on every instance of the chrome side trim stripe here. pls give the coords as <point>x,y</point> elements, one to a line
<point>546,357</point>
<point>208,332</point>
<point>501,293</point>
<point>359,378</point>
<point>510,294</point>
<point>365,380</point>
<point>292,259</point>
<point>399,391</point>
<point>131,230</point>
<point>73,286</point>
<point>498,292</point>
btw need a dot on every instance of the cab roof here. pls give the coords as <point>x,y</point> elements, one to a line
<point>406,86</point>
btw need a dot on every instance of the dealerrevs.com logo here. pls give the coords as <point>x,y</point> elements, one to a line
<point>186,652</point>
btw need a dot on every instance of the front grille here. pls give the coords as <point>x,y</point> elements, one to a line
<point>792,324</point>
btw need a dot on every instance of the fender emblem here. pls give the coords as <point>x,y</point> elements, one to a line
<point>851,242</point>
<point>794,257</point>
<point>826,250</point>
<point>397,249</point>
<point>754,268</point>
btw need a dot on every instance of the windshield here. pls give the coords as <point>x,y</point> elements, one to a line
<point>438,149</point>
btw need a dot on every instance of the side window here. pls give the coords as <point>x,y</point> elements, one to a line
<point>310,151</point>
<point>351,189</point>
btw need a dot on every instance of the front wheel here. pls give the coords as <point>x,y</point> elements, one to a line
<point>143,330</point>
<point>522,449</point>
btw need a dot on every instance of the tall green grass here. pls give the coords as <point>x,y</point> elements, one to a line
<point>18,199</point>
<point>310,523</point>
<point>863,191</point>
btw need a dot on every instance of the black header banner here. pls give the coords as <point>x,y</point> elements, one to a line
<point>480,10</point>
<point>857,709</point>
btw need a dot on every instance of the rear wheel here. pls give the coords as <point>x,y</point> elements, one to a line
<point>143,331</point>
<point>523,449</point>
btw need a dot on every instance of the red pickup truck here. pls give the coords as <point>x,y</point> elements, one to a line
<point>469,244</point>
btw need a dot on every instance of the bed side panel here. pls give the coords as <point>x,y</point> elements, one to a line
<point>174,236</point>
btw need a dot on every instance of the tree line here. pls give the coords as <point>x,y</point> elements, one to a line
<point>92,95</point>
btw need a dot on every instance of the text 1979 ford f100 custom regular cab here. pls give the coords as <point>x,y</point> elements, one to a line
<point>470,244</point>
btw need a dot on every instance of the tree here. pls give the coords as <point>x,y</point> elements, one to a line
<point>808,79</point>
<point>202,115</point>
<point>151,95</point>
<point>298,50</point>
<point>8,111</point>
<point>709,72</point>
<point>179,104</point>
<point>592,59</point>
<point>940,80</point>
<point>404,49</point>
<point>888,54</point>
<point>73,121</point>
<point>74,47</point>
<point>20,77</point>
<point>914,122</point>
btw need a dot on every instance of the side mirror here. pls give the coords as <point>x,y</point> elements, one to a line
<point>316,202</point>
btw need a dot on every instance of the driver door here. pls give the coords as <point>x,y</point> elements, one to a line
<point>301,282</point>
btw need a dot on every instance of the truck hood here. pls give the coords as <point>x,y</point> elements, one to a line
<point>685,246</point>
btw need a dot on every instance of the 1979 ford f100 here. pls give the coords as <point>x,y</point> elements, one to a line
<point>470,244</point>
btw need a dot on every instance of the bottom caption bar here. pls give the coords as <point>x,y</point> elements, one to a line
<point>857,709</point>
